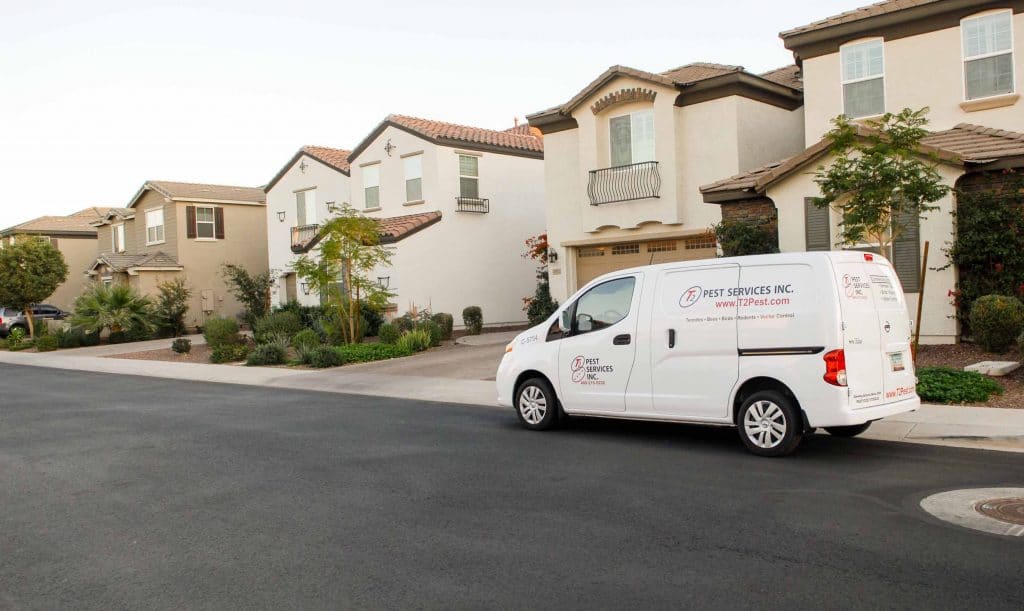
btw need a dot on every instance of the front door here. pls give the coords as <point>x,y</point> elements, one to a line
<point>596,358</point>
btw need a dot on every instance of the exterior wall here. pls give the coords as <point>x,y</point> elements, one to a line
<point>938,325</point>
<point>767,133</point>
<point>104,244</point>
<point>753,210</point>
<point>331,186</point>
<point>150,200</point>
<point>79,254</point>
<point>939,54</point>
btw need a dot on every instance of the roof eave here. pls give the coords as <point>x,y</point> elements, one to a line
<point>298,155</point>
<point>740,84</point>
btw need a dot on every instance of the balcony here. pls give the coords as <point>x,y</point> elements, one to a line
<point>473,204</point>
<point>305,237</point>
<point>624,183</point>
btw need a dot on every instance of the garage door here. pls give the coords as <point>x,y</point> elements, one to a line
<point>592,261</point>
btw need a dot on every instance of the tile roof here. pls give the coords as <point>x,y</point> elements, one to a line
<point>396,228</point>
<point>872,10</point>
<point>120,262</point>
<point>190,191</point>
<point>93,212</point>
<point>439,130</point>
<point>698,71</point>
<point>790,76</point>
<point>53,225</point>
<point>336,158</point>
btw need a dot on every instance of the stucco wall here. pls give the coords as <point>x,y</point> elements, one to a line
<point>79,254</point>
<point>923,70</point>
<point>151,200</point>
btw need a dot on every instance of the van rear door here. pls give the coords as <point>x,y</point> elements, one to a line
<point>898,377</point>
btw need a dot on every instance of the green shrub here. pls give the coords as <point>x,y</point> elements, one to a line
<point>325,356</point>
<point>541,305</point>
<point>267,354</point>
<point>68,338</point>
<point>404,323</point>
<point>307,338</point>
<point>309,315</point>
<point>739,238</point>
<point>229,353</point>
<point>365,353</point>
<point>171,306</point>
<point>473,318</point>
<point>221,332</point>
<point>996,320</point>
<point>116,337</point>
<point>446,322</point>
<point>434,330</point>
<point>182,345</point>
<point>281,324</point>
<point>416,340</point>
<point>16,340</point>
<point>139,334</point>
<point>388,333</point>
<point>90,338</point>
<point>372,319</point>
<point>945,385</point>
<point>46,343</point>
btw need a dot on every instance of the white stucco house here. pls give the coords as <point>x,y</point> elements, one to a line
<point>962,59</point>
<point>624,159</point>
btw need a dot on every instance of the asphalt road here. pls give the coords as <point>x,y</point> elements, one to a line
<point>126,492</point>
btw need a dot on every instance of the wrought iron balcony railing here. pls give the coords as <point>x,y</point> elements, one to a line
<point>473,204</point>
<point>304,237</point>
<point>624,183</point>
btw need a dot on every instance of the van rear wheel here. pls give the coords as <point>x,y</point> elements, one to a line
<point>769,424</point>
<point>536,405</point>
<point>847,431</point>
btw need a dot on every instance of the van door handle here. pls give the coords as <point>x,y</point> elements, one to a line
<point>671,338</point>
<point>622,340</point>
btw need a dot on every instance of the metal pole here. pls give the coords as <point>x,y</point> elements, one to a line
<point>920,299</point>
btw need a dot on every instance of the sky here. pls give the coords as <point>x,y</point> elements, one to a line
<point>98,96</point>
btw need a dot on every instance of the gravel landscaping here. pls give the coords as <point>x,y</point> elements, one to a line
<point>199,354</point>
<point>958,356</point>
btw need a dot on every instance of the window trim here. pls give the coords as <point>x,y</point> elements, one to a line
<point>213,223</point>
<point>1010,52</point>
<point>118,246</point>
<point>842,76</point>
<point>654,137</point>
<point>162,225</point>
<point>375,166</point>
<point>476,178</point>
<point>405,173</point>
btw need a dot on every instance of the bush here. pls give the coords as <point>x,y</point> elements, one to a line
<point>945,385</point>
<point>171,306</point>
<point>117,337</point>
<point>325,356</point>
<point>309,315</point>
<point>388,333</point>
<point>404,323</point>
<point>541,305</point>
<point>307,338</point>
<point>139,334</point>
<point>252,290</point>
<point>434,330</point>
<point>738,238</point>
<point>372,319</point>
<point>182,345</point>
<point>90,338</point>
<point>118,308</point>
<point>473,318</point>
<point>446,322</point>
<point>365,353</point>
<point>221,332</point>
<point>996,321</point>
<point>267,354</point>
<point>16,340</point>
<point>416,340</point>
<point>229,353</point>
<point>279,324</point>
<point>69,338</point>
<point>46,343</point>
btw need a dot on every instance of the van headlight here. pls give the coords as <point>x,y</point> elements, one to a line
<point>510,346</point>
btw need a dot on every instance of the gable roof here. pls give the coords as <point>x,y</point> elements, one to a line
<point>122,262</point>
<point>507,142</point>
<point>331,157</point>
<point>198,192</point>
<point>790,76</point>
<point>93,212</point>
<point>697,82</point>
<point>396,228</point>
<point>53,226</point>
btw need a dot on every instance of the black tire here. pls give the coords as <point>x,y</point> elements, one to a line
<point>847,431</point>
<point>536,405</point>
<point>768,412</point>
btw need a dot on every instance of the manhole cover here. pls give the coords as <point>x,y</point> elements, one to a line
<point>1004,510</point>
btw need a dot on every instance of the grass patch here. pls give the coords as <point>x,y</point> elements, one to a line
<point>365,353</point>
<point>946,385</point>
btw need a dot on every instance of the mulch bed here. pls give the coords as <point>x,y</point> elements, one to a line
<point>958,356</point>
<point>199,354</point>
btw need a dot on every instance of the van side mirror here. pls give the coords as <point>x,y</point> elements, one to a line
<point>584,323</point>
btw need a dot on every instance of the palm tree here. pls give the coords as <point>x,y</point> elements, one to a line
<point>117,307</point>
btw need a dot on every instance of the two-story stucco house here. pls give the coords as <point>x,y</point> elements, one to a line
<point>455,203</point>
<point>184,230</point>
<point>74,236</point>
<point>962,59</point>
<point>299,199</point>
<point>624,159</point>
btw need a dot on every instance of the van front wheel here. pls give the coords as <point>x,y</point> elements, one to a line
<point>847,431</point>
<point>769,424</point>
<point>536,404</point>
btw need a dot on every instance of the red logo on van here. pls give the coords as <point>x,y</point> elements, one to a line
<point>690,296</point>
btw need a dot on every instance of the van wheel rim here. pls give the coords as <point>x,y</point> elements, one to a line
<point>533,404</point>
<point>765,424</point>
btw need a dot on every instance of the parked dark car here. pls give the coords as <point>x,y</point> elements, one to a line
<point>11,318</point>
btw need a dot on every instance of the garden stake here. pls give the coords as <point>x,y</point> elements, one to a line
<point>920,302</point>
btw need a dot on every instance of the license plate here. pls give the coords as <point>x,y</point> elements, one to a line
<point>896,360</point>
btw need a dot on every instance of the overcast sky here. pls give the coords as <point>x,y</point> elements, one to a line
<point>98,96</point>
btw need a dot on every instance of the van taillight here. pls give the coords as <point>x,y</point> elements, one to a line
<point>835,367</point>
<point>869,257</point>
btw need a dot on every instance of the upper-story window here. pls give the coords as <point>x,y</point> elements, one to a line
<point>155,226</point>
<point>371,187</point>
<point>413,166</point>
<point>632,138</point>
<point>469,176</point>
<point>988,54</point>
<point>117,238</point>
<point>863,79</point>
<point>305,207</point>
<point>205,222</point>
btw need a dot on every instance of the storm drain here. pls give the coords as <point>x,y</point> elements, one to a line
<point>994,510</point>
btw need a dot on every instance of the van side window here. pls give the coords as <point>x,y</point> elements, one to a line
<point>604,305</point>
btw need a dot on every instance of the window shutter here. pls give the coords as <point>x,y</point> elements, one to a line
<point>906,253</point>
<point>218,223</point>
<point>816,226</point>
<point>190,222</point>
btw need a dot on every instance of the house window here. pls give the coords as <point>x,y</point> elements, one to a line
<point>371,186</point>
<point>663,246</point>
<point>863,79</point>
<point>305,207</point>
<point>205,223</point>
<point>700,242</point>
<point>117,238</point>
<point>988,55</point>
<point>469,176</point>
<point>626,249</point>
<point>413,178</point>
<point>590,252</point>
<point>155,226</point>
<point>632,138</point>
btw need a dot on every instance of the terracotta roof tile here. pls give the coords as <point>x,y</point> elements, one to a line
<point>872,10</point>
<point>698,71</point>
<point>440,130</point>
<point>197,191</point>
<point>790,76</point>
<point>395,228</point>
<point>336,158</point>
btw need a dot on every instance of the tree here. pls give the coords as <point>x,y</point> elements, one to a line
<point>172,305</point>
<point>31,269</point>
<point>350,249</point>
<point>253,290</point>
<point>540,305</point>
<point>117,307</point>
<point>738,238</point>
<point>879,179</point>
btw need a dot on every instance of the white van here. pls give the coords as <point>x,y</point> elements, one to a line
<point>776,345</point>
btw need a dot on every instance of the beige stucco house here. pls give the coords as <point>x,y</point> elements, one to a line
<point>624,159</point>
<point>959,58</point>
<point>184,230</point>
<point>74,236</point>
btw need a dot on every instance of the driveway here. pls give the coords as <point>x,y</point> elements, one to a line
<point>129,492</point>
